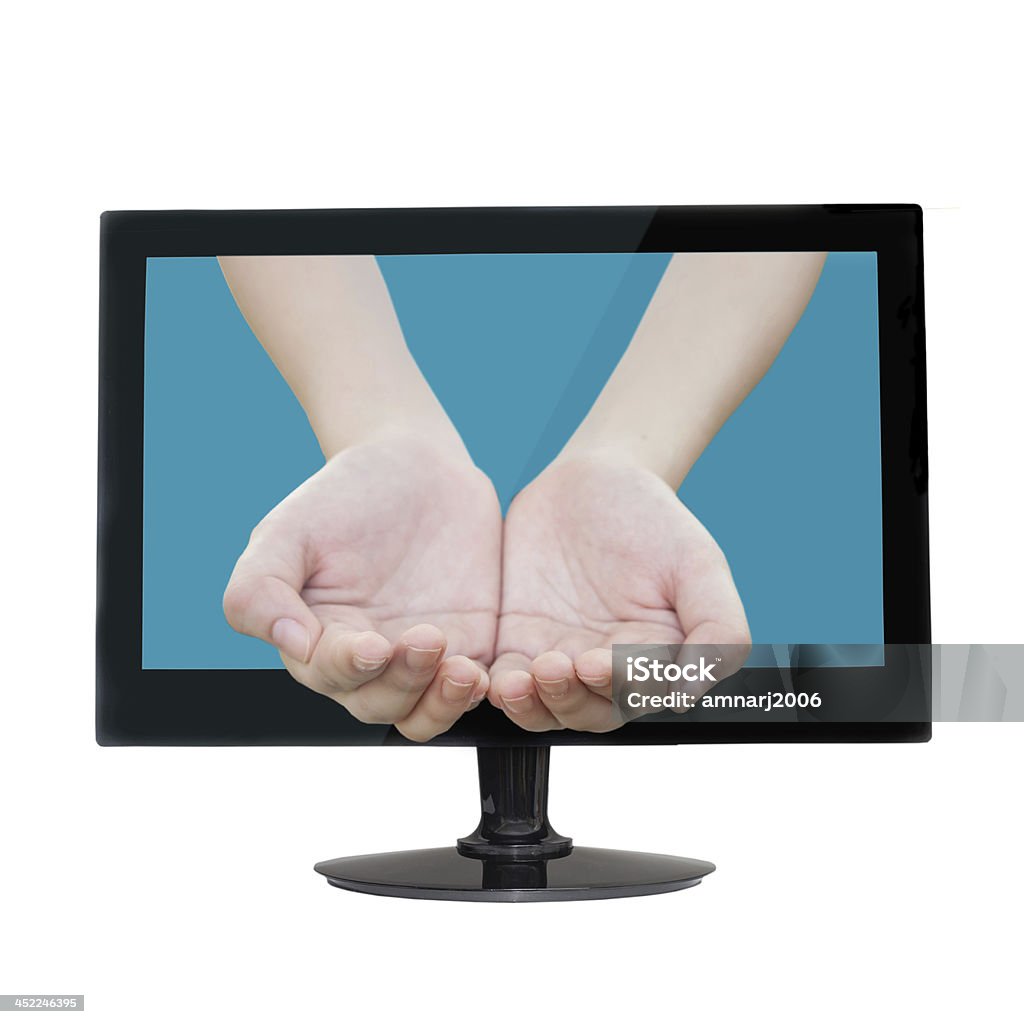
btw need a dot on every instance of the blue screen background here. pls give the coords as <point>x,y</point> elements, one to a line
<point>790,488</point>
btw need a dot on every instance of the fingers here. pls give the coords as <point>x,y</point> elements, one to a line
<point>554,692</point>
<point>578,693</point>
<point>344,660</point>
<point>458,685</point>
<point>409,684</point>
<point>514,692</point>
<point>594,669</point>
<point>397,687</point>
<point>262,600</point>
<point>504,664</point>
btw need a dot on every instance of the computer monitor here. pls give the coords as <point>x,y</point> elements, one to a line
<point>463,476</point>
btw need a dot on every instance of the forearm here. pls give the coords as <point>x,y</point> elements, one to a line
<point>329,325</point>
<point>713,328</point>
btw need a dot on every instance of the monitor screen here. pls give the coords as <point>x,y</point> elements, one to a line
<point>747,383</point>
<point>226,439</point>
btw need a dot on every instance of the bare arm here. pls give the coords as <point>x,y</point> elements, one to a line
<point>329,325</point>
<point>377,578</point>
<point>598,550</point>
<point>713,328</point>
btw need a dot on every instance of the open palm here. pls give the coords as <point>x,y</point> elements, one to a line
<point>597,552</point>
<point>378,581</point>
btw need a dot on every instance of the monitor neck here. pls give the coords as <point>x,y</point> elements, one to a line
<point>514,807</point>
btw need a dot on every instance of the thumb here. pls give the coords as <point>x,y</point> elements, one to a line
<point>263,599</point>
<point>711,614</point>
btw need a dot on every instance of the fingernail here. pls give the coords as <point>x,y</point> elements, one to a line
<point>518,705</point>
<point>368,664</point>
<point>554,687</point>
<point>594,680</point>
<point>292,638</point>
<point>420,659</point>
<point>453,692</point>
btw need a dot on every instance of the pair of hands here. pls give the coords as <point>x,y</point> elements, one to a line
<point>388,582</point>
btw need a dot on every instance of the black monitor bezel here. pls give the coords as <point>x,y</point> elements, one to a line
<point>158,707</point>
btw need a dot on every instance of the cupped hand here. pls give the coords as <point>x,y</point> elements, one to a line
<point>600,551</point>
<point>378,581</point>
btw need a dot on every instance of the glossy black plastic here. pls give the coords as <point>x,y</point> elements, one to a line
<point>181,707</point>
<point>514,807</point>
<point>514,855</point>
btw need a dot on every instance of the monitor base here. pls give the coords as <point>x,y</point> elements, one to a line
<point>514,855</point>
<point>587,873</point>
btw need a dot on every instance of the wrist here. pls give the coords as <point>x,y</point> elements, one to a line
<point>670,463</point>
<point>427,433</point>
<point>406,417</point>
<point>387,403</point>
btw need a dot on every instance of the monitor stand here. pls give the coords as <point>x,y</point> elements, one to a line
<point>514,856</point>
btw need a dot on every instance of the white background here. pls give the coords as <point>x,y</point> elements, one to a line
<point>861,882</point>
